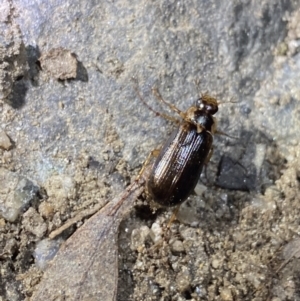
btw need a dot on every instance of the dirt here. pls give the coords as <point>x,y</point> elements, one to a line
<point>70,145</point>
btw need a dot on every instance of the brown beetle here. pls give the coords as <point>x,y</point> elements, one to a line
<point>180,161</point>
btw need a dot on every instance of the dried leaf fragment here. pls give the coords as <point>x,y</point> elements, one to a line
<point>86,266</point>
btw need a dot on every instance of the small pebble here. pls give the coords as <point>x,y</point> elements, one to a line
<point>200,189</point>
<point>188,233</point>
<point>183,281</point>
<point>155,232</point>
<point>226,294</point>
<point>16,192</point>
<point>2,223</point>
<point>5,142</point>
<point>177,247</point>
<point>34,223</point>
<point>10,246</point>
<point>46,210</point>
<point>215,263</point>
<point>139,237</point>
<point>60,187</point>
<point>59,63</point>
<point>45,250</point>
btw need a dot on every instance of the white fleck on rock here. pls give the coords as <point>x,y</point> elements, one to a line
<point>4,11</point>
<point>44,251</point>
<point>200,189</point>
<point>215,263</point>
<point>156,232</point>
<point>259,155</point>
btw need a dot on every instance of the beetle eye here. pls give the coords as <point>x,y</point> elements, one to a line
<point>197,103</point>
<point>212,109</point>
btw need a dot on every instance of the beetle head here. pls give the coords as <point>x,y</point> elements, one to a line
<point>207,104</point>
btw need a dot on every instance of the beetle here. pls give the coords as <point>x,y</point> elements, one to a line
<point>180,161</point>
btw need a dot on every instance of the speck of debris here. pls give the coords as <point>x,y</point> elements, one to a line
<point>34,223</point>
<point>59,63</point>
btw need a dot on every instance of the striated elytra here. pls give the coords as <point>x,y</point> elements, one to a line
<point>180,161</point>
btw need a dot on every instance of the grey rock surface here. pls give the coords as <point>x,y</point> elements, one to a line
<point>13,60</point>
<point>82,139</point>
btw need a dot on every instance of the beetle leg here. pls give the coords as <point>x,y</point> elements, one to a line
<point>211,151</point>
<point>200,128</point>
<point>153,153</point>
<point>171,106</point>
<point>151,109</point>
<point>173,216</point>
<point>215,131</point>
<point>215,126</point>
<point>224,134</point>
